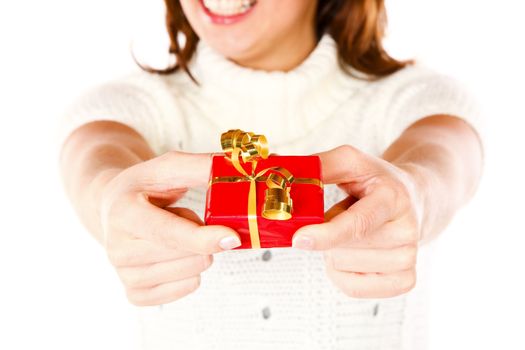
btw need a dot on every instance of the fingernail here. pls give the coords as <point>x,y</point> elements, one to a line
<point>303,243</point>
<point>229,242</point>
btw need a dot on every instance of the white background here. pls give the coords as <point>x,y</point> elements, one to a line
<point>58,291</point>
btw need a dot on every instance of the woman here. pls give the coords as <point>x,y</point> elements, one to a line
<point>398,146</point>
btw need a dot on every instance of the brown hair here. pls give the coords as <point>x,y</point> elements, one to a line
<point>357,26</point>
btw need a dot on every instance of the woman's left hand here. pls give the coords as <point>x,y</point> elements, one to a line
<point>370,239</point>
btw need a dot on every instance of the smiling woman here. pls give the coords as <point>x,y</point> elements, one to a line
<point>247,38</point>
<point>399,149</point>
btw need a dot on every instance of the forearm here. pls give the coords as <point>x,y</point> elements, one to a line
<point>445,157</point>
<point>92,156</point>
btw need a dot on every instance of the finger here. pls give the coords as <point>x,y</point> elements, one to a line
<point>124,251</point>
<point>138,252</point>
<point>186,214</point>
<point>393,234</point>
<point>141,219</point>
<point>372,285</point>
<point>159,273</point>
<point>342,164</point>
<point>339,207</point>
<point>372,260</point>
<point>163,293</point>
<point>174,170</point>
<point>163,199</point>
<point>354,224</point>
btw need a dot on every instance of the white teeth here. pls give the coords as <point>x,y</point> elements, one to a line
<point>228,7</point>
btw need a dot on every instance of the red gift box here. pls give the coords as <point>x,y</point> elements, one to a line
<point>228,198</point>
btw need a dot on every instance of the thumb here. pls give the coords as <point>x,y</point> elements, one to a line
<point>176,169</point>
<point>341,164</point>
<point>186,214</point>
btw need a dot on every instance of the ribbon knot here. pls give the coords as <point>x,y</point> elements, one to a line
<point>247,147</point>
<point>250,148</point>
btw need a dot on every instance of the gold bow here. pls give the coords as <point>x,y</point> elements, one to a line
<point>250,148</point>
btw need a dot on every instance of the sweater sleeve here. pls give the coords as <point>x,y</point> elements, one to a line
<point>133,99</point>
<point>420,92</point>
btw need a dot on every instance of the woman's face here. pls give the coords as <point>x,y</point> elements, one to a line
<point>244,30</point>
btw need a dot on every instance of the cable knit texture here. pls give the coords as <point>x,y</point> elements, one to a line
<point>284,301</point>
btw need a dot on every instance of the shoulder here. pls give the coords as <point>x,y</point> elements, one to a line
<point>139,99</point>
<point>418,91</point>
<point>152,84</point>
<point>130,93</point>
<point>417,77</point>
<point>405,85</point>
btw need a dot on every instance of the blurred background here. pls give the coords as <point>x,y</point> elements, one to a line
<point>57,289</point>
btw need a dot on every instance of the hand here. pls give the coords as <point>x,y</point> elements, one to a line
<point>159,252</point>
<point>370,238</point>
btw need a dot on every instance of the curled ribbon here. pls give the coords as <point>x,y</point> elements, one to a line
<point>250,148</point>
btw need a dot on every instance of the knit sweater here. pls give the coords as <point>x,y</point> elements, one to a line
<point>278,298</point>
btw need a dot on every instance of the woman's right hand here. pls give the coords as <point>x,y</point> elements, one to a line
<point>159,251</point>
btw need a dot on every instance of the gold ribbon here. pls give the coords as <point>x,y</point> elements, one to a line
<point>250,148</point>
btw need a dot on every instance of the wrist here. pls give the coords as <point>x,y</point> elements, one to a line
<point>95,192</point>
<point>420,182</point>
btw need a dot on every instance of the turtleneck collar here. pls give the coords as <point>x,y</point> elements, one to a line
<point>257,100</point>
<point>210,67</point>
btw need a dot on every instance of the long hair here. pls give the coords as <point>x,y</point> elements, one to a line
<point>357,26</point>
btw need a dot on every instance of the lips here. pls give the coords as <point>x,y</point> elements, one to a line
<point>227,11</point>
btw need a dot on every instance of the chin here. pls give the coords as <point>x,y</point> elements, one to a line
<point>232,47</point>
<point>234,35</point>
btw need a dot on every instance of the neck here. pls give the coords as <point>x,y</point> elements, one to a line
<point>284,56</point>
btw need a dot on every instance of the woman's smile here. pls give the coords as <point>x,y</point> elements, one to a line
<point>266,35</point>
<point>227,11</point>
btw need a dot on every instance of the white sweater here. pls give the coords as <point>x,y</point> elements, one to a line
<point>277,298</point>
